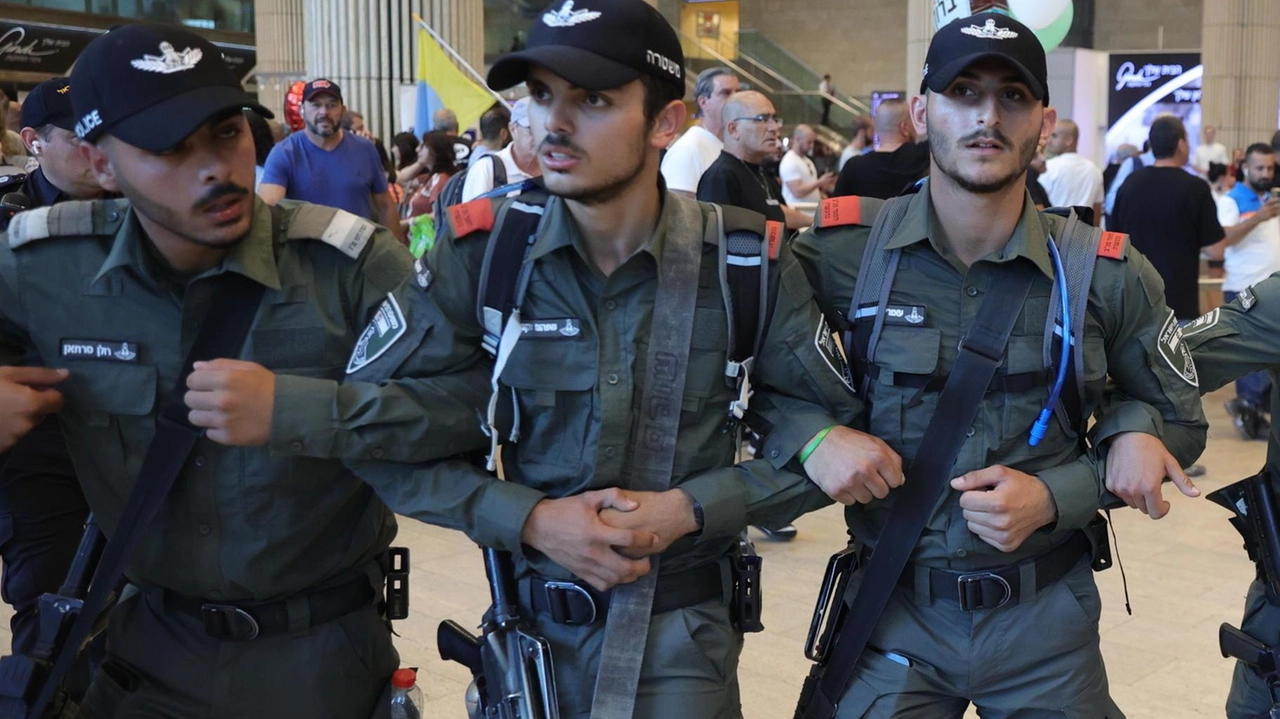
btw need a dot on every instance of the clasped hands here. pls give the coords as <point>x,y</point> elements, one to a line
<point>606,536</point>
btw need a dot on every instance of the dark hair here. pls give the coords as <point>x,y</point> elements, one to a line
<point>442,154</point>
<point>657,95</point>
<point>385,158</point>
<point>1166,132</point>
<point>1275,140</point>
<point>1260,148</point>
<point>1216,171</point>
<point>261,133</point>
<point>494,121</point>
<point>407,144</point>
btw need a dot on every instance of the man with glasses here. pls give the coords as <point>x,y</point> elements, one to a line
<point>751,134</point>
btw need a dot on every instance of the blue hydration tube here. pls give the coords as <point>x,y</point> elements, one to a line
<point>1041,427</point>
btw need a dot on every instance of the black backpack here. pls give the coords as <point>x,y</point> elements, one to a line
<point>451,193</point>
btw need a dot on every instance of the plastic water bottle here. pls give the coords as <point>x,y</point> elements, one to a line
<point>406,697</point>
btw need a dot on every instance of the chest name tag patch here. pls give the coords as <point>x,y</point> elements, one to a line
<point>384,330</point>
<point>553,329</point>
<point>1202,323</point>
<point>832,352</point>
<point>1175,352</point>
<point>106,350</point>
<point>913,315</point>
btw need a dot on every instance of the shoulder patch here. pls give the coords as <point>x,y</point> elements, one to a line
<point>385,329</point>
<point>1175,352</point>
<point>469,217</point>
<point>1113,245</point>
<point>1203,323</point>
<point>1248,298</point>
<point>840,211</point>
<point>66,219</point>
<point>340,229</point>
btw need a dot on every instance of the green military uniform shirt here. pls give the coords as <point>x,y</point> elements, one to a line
<point>579,393</point>
<point>1239,338</point>
<point>1126,313</point>
<point>81,285</point>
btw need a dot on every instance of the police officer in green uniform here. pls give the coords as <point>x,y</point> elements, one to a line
<point>1012,512</point>
<point>42,510</point>
<point>605,80</point>
<point>1229,342</point>
<point>264,522</point>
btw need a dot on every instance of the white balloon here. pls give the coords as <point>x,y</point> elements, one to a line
<point>1038,14</point>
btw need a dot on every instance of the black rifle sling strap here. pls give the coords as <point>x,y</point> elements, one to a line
<point>980,354</point>
<point>222,334</point>
<point>654,446</point>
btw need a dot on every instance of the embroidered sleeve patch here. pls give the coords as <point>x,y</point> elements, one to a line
<point>839,211</point>
<point>1112,245</point>
<point>422,274</point>
<point>384,330</point>
<point>1248,299</point>
<point>1202,323</point>
<point>773,234</point>
<point>474,216</point>
<point>1174,351</point>
<point>828,344</point>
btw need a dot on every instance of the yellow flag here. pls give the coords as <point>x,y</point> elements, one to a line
<point>442,85</point>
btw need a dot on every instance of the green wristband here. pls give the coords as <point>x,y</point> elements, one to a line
<point>813,444</point>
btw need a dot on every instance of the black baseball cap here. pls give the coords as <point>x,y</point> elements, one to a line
<point>597,45</point>
<point>986,35</point>
<point>319,87</point>
<point>152,85</point>
<point>49,103</point>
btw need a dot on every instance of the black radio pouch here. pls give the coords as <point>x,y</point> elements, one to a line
<point>1099,543</point>
<point>748,600</point>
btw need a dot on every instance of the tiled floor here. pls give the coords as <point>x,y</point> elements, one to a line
<point>1187,574</point>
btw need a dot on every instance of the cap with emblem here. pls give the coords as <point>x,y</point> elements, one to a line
<point>49,103</point>
<point>986,35</point>
<point>321,86</point>
<point>597,45</point>
<point>152,85</point>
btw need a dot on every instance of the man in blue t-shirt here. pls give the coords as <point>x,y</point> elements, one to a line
<point>328,166</point>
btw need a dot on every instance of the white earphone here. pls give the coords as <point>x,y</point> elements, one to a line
<point>37,147</point>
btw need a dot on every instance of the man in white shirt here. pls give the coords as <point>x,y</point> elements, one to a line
<point>1251,252</point>
<point>1210,151</point>
<point>800,181</point>
<point>691,155</point>
<point>1070,179</point>
<point>863,142</point>
<point>520,158</point>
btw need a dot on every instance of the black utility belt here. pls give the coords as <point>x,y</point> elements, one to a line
<point>579,604</point>
<point>244,621</point>
<point>998,586</point>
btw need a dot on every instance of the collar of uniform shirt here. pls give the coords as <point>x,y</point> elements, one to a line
<point>1029,240</point>
<point>253,257</point>
<point>558,230</point>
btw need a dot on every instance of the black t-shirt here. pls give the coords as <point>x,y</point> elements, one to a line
<point>883,174</point>
<point>736,182</point>
<point>1169,215</point>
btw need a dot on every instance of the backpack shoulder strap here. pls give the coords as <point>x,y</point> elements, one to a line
<point>1080,246</point>
<point>499,170</point>
<point>871,290</point>
<point>749,246</point>
<point>504,274</point>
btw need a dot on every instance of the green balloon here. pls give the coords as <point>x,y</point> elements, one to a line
<point>1053,35</point>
